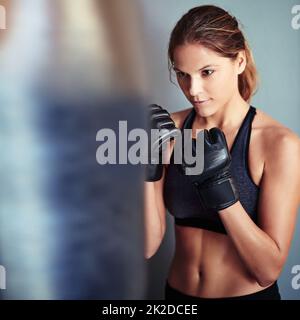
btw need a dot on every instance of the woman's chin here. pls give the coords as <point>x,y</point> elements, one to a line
<point>205,111</point>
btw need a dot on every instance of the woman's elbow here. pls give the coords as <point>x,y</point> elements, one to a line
<point>269,276</point>
<point>149,253</point>
<point>265,282</point>
<point>151,247</point>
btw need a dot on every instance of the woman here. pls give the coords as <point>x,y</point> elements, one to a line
<point>237,250</point>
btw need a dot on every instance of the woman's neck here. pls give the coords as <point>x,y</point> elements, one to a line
<point>227,117</point>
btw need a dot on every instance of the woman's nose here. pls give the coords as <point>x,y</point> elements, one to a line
<point>196,87</point>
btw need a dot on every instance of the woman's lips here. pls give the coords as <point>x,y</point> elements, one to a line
<point>200,102</point>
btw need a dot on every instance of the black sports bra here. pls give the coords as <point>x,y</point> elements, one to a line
<point>181,197</point>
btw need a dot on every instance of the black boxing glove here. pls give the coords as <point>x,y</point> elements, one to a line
<point>160,119</point>
<point>215,184</point>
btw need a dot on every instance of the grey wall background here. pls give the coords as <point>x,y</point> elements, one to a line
<point>276,48</point>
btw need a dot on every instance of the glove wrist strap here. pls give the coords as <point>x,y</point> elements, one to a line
<point>218,195</point>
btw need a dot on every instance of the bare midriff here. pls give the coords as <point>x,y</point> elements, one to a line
<point>206,264</point>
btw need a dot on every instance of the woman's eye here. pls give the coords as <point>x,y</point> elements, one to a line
<point>207,72</point>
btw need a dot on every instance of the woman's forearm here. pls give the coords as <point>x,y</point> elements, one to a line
<point>154,226</point>
<point>258,250</point>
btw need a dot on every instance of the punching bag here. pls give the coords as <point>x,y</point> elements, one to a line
<point>70,228</point>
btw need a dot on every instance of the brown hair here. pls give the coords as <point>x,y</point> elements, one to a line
<point>216,29</point>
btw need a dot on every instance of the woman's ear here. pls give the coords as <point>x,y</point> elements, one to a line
<point>241,61</point>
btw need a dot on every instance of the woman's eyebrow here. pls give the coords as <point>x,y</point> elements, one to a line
<point>209,65</point>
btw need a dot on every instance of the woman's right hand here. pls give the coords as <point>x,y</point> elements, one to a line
<point>159,120</point>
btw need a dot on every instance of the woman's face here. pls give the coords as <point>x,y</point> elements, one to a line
<point>208,80</point>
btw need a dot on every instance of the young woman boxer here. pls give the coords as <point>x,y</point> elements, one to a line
<point>234,222</point>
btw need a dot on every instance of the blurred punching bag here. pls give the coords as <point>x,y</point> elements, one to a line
<point>70,228</point>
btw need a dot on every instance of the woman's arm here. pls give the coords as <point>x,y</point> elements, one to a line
<point>264,247</point>
<point>155,210</point>
<point>154,216</point>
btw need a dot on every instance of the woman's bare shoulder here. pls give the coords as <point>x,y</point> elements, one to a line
<point>179,116</point>
<point>274,136</point>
